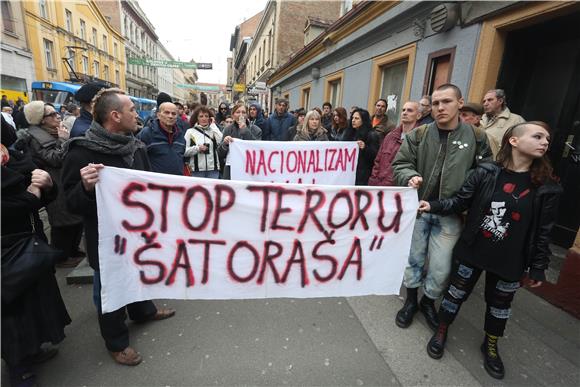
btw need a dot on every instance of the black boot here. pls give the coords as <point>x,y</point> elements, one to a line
<point>405,315</point>
<point>427,307</point>
<point>436,346</point>
<point>491,359</point>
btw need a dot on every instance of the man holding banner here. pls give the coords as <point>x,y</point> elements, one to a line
<point>436,158</point>
<point>109,141</point>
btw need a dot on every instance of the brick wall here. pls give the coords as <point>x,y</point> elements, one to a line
<point>292,20</point>
<point>248,27</point>
<point>111,9</point>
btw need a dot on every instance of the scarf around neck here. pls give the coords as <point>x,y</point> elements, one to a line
<point>100,140</point>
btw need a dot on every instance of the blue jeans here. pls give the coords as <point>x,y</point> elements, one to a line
<point>433,236</point>
<point>206,174</point>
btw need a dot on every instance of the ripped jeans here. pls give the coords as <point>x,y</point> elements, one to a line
<point>499,295</point>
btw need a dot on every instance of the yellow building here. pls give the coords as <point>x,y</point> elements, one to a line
<point>73,41</point>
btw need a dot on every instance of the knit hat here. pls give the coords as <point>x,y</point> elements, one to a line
<point>34,112</point>
<point>86,93</point>
<point>162,98</point>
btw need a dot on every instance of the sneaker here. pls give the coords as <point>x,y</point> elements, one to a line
<point>128,357</point>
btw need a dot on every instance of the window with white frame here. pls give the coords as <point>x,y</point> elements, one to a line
<point>106,73</point>
<point>7,17</point>
<point>116,50</point>
<point>85,65</point>
<point>83,30</point>
<point>117,77</point>
<point>105,44</point>
<point>42,6</point>
<point>96,68</point>
<point>68,20</point>
<point>48,53</point>
<point>95,37</point>
<point>71,58</point>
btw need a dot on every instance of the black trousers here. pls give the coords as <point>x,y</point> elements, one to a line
<point>499,294</point>
<point>67,239</point>
<point>114,330</point>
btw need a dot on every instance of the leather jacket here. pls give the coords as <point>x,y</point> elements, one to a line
<point>475,195</point>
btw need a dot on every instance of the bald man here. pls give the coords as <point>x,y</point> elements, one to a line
<point>164,140</point>
<point>382,173</point>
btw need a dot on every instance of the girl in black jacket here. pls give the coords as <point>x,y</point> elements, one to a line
<point>512,208</point>
<point>368,141</point>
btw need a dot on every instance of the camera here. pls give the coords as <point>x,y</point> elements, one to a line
<point>206,151</point>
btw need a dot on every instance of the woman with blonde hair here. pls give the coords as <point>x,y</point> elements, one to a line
<point>312,129</point>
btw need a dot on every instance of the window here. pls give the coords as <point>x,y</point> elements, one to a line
<point>117,78</point>
<point>126,27</point>
<point>305,96</point>
<point>85,65</point>
<point>83,30</point>
<point>71,58</point>
<point>48,50</point>
<point>345,6</point>
<point>106,73</point>
<point>115,50</point>
<point>96,68</point>
<point>439,68</point>
<point>7,18</point>
<point>68,20</point>
<point>392,82</point>
<point>333,89</point>
<point>43,9</point>
<point>95,37</point>
<point>390,79</point>
<point>105,44</point>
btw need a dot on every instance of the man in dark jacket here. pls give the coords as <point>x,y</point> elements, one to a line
<point>380,120</point>
<point>109,141</point>
<point>165,141</point>
<point>85,96</point>
<point>326,119</point>
<point>279,122</point>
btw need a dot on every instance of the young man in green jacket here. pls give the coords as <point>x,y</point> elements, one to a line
<point>436,158</point>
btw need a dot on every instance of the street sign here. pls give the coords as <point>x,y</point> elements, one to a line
<point>260,86</point>
<point>198,87</point>
<point>169,64</point>
<point>240,87</point>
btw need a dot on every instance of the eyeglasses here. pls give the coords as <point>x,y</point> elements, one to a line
<point>53,114</point>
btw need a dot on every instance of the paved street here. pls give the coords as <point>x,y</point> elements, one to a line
<point>333,342</point>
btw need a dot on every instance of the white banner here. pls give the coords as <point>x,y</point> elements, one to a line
<point>300,162</point>
<point>165,236</point>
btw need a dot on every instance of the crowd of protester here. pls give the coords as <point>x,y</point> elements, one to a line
<point>460,156</point>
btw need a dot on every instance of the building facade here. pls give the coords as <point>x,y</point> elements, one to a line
<point>73,41</point>
<point>141,42</point>
<point>239,43</point>
<point>279,35</point>
<point>403,50</point>
<point>17,64</point>
<point>165,74</point>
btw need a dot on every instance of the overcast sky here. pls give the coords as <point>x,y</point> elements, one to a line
<point>200,29</point>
